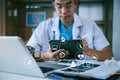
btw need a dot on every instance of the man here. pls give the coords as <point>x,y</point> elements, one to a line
<point>74,27</point>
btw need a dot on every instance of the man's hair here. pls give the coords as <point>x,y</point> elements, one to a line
<point>53,0</point>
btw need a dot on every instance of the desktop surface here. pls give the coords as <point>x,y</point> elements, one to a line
<point>10,76</point>
<point>64,77</point>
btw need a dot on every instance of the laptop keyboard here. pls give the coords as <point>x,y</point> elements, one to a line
<point>82,67</point>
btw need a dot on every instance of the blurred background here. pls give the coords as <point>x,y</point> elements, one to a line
<point>21,17</point>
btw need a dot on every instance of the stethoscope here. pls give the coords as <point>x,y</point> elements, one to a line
<point>54,32</point>
<point>80,28</point>
<point>80,31</point>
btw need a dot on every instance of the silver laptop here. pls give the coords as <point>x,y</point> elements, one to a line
<point>16,58</point>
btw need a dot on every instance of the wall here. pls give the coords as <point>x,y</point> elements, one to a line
<point>1,17</point>
<point>28,29</point>
<point>116,29</point>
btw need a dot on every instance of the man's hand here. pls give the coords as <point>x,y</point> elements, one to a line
<point>53,56</point>
<point>85,47</point>
<point>105,53</point>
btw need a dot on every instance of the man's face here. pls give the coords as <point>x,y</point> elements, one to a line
<point>65,9</point>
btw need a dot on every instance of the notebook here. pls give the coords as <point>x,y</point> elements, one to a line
<point>15,58</point>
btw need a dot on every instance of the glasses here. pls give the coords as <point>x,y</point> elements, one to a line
<point>67,6</point>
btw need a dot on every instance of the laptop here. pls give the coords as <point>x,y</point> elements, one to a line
<point>15,58</point>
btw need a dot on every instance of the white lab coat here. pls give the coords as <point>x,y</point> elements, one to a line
<point>81,27</point>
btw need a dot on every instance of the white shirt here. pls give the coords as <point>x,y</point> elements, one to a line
<point>81,27</point>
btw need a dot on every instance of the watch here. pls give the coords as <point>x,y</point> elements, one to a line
<point>37,55</point>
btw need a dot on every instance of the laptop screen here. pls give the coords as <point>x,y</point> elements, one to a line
<point>15,57</point>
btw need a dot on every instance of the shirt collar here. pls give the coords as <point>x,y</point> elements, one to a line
<point>77,23</point>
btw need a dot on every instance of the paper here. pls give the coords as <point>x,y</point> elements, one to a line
<point>103,71</point>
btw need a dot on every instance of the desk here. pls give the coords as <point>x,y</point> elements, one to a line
<point>10,76</point>
<point>109,68</point>
<point>57,65</point>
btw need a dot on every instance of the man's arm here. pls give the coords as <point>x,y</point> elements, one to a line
<point>105,53</point>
